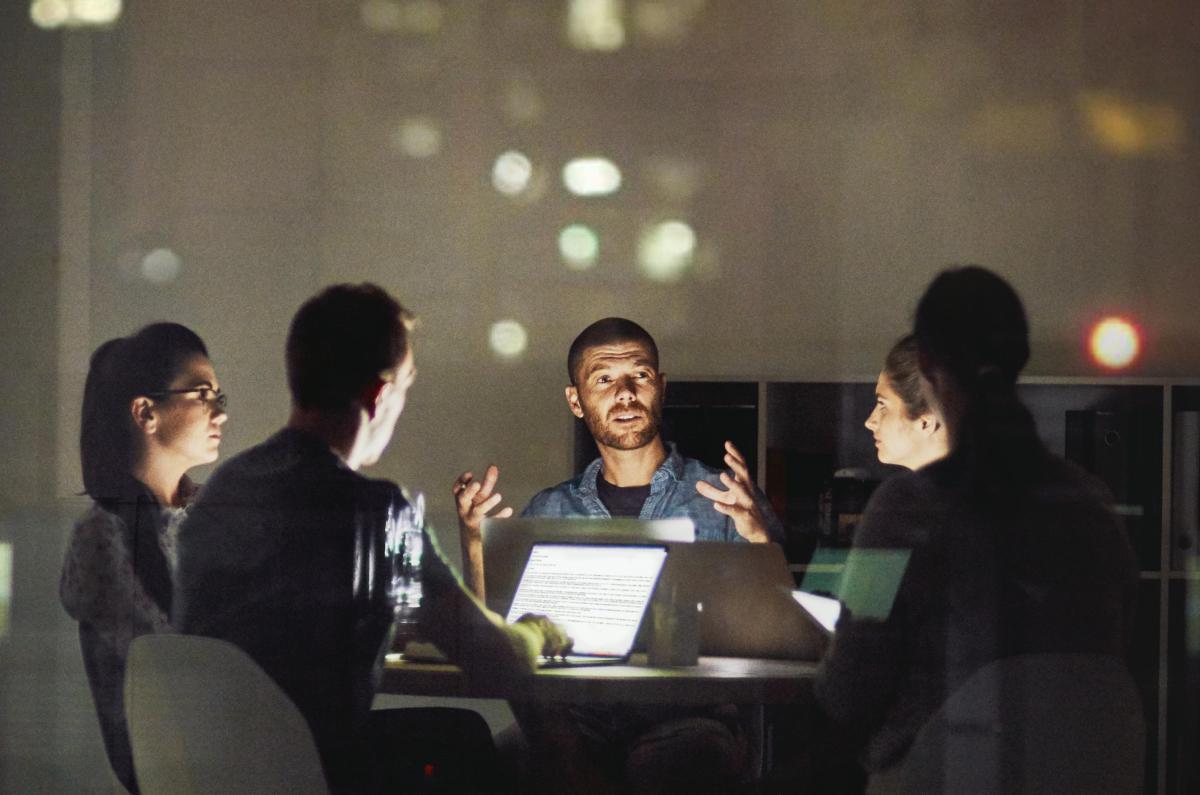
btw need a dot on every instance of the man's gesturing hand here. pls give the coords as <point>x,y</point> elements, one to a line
<point>476,500</point>
<point>737,499</point>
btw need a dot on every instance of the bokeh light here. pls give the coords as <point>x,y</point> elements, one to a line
<point>579,246</point>
<point>74,13</point>
<point>418,137</point>
<point>596,24</point>
<point>508,339</point>
<point>511,173</point>
<point>161,265</point>
<point>591,176</point>
<point>1115,343</point>
<point>665,250</point>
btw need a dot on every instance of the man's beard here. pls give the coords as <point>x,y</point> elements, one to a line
<point>606,433</point>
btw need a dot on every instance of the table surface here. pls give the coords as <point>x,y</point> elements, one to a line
<point>715,680</point>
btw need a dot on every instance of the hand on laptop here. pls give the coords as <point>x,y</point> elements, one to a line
<point>737,500</point>
<point>543,633</point>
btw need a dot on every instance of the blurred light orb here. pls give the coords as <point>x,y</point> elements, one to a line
<point>665,250</point>
<point>508,339</point>
<point>521,102</point>
<point>423,17</point>
<point>418,137</point>
<point>591,176</point>
<point>579,246</point>
<point>1115,343</point>
<point>96,12</point>
<point>382,15</point>
<point>596,24</point>
<point>511,173</point>
<point>161,265</point>
<point>50,14</point>
<point>74,13</point>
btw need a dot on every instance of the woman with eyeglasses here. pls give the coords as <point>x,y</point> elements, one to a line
<point>152,410</point>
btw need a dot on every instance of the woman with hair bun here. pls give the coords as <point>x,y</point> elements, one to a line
<point>1011,552</point>
<point>152,410</point>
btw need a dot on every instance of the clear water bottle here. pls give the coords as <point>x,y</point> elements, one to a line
<point>405,545</point>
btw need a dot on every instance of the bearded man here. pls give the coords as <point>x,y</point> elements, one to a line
<point>617,389</point>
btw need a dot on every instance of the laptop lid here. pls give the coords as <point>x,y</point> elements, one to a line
<point>747,605</point>
<point>597,593</point>
<point>507,542</point>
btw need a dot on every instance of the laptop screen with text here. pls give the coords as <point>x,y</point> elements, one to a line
<point>597,593</point>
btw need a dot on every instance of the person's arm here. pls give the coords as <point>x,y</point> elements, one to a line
<point>98,584</point>
<point>475,501</point>
<point>472,636</point>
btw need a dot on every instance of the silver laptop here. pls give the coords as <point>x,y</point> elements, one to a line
<point>507,542</point>
<point>597,593</point>
<point>746,595</point>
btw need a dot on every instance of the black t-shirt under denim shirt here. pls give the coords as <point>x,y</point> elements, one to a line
<point>622,500</point>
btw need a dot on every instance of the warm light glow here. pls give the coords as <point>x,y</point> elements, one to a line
<point>1127,128</point>
<point>418,137</point>
<point>665,250</point>
<point>596,24</point>
<point>1115,343</point>
<point>508,339</point>
<point>591,176</point>
<point>579,246</point>
<point>511,173</point>
<point>161,265</point>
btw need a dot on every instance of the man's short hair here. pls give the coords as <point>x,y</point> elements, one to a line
<point>340,341</point>
<point>607,331</point>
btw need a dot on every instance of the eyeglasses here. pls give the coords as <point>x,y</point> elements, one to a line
<point>206,394</point>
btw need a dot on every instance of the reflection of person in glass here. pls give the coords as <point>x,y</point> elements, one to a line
<point>907,432</point>
<point>1014,551</point>
<point>152,410</point>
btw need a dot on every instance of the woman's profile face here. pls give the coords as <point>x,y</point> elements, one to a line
<point>899,438</point>
<point>189,417</point>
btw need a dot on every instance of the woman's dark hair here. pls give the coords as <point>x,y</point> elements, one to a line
<point>121,370</point>
<point>903,371</point>
<point>970,323</point>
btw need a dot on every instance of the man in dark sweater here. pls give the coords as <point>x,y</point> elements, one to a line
<point>285,554</point>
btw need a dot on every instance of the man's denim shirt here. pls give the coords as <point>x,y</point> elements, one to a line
<point>672,494</point>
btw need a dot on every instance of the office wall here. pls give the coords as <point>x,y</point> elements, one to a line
<point>829,156</point>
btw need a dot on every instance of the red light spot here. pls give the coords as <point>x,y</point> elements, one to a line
<point>428,770</point>
<point>1115,343</point>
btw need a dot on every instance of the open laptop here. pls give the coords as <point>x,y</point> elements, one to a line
<point>597,593</point>
<point>867,584</point>
<point>507,542</point>
<point>747,605</point>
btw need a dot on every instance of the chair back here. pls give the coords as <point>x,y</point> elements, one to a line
<point>203,718</point>
<point>1036,723</point>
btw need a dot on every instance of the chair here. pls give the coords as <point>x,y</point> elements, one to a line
<point>1036,723</point>
<point>204,718</point>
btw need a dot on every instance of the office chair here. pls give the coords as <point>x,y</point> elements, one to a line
<point>204,718</point>
<point>1035,723</point>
